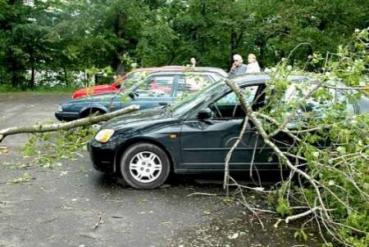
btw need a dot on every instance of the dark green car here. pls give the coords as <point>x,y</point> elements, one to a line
<point>192,136</point>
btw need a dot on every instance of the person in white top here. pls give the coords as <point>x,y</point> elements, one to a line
<point>193,62</point>
<point>253,65</point>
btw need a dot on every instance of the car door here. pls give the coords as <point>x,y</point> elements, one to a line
<point>157,91</point>
<point>113,102</point>
<point>104,102</point>
<point>205,144</point>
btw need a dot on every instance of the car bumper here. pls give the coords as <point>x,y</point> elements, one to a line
<point>66,116</point>
<point>102,156</point>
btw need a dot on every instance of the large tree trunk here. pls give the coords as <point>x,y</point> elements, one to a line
<point>32,81</point>
<point>14,78</point>
<point>14,71</point>
<point>65,76</point>
<point>235,42</point>
<point>262,43</point>
<point>118,29</point>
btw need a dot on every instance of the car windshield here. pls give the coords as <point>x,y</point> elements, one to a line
<point>135,80</point>
<point>133,74</point>
<point>191,101</point>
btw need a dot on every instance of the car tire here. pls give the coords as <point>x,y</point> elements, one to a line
<point>145,166</point>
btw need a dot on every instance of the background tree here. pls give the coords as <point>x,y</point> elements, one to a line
<point>71,36</point>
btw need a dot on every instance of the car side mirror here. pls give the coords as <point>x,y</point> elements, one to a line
<point>205,114</point>
<point>132,95</point>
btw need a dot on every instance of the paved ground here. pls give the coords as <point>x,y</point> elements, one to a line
<point>73,205</point>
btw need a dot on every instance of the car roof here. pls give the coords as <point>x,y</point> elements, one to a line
<point>175,68</point>
<point>210,69</point>
<point>262,77</point>
<point>149,69</point>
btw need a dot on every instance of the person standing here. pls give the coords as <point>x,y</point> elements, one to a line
<point>253,65</point>
<point>193,62</point>
<point>238,68</point>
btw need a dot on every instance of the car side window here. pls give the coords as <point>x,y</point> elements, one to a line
<point>228,106</point>
<point>157,86</point>
<point>298,90</point>
<point>191,83</point>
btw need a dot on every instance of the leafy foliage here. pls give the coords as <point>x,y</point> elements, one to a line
<point>68,36</point>
<point>331,141</point>
<point>49,148</point>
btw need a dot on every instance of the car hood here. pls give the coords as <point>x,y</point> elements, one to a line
<point>91,90</point>
<point>139,119</point>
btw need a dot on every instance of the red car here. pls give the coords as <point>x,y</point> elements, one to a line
<point>114,87</point>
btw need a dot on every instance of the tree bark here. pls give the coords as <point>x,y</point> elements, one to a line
<point>32,81</point>
<point>65,76</point>
<point>41,128</point>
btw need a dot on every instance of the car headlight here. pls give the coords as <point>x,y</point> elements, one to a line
<point>60,108</point>
<point>104,135</point>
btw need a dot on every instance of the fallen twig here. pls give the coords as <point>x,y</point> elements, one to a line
<point>201,194</point>
<point>98,223</point>
<point>301,215</point>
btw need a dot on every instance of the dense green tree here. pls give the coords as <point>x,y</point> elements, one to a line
<point>67,36</point>
<point>12,58</point>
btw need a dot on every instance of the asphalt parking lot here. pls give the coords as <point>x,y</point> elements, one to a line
<point>74,205</point>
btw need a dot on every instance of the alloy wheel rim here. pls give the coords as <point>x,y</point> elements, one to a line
<point>145,167</point>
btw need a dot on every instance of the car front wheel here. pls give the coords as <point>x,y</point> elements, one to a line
<point>145,166</point>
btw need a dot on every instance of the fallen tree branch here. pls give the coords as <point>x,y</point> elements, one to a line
<point>273,121</point>
<point>257,189</point>
<point>41,128</point>
<point>252,116</point>
<point>294,112</point>
<point>229,154</point>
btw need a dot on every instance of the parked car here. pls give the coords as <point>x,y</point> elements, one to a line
<point>115,86</point>
<point>192,136</point>
<point>159,89</point>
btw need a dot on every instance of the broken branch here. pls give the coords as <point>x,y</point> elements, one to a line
<point>41,128</point>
